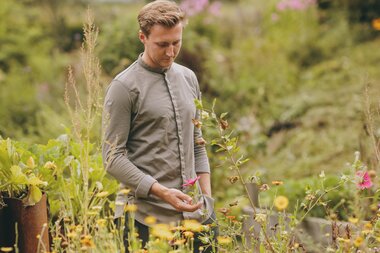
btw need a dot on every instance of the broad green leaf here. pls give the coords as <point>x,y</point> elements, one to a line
<point>34,196</point>
<point>17,176</point>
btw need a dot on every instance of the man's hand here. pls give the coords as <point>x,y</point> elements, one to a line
<point>179,200</point>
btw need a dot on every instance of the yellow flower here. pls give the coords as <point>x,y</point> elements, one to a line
<point>368,225</point>
<point>6,249</point>
<point>180,242</point>
<point>281,202</point>
<point>358,241</point>
<point>353,220</point>
<point>124,191</point>
<point>162,231</point>
<point>188,234</point>
<point>101,222</point>
<point>71,234</point>
<point>376,23</point>
<point>50,165</point>
<point>192,225</point>
<point>150,220</point>
<point>224,240</point>
<point>87,242</point>
<point>130,208</point>
<point>102,194</point>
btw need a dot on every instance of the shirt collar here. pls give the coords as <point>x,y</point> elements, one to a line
<point>149,68</point>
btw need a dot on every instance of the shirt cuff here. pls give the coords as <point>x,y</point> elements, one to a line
<point>144,186</point>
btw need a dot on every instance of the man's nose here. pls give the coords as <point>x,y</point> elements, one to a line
<point>170,51</point>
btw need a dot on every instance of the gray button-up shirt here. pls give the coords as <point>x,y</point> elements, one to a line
<point>150,137</point>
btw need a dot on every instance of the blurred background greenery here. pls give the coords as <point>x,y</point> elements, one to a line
<point>291,73</point>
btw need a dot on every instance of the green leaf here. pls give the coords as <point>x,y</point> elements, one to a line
<point>17,176</point>
<point>34,196</point>
<point>224,114</point>
<point>198,104</point>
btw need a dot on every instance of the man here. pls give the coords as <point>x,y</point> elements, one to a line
<point>150,143</point>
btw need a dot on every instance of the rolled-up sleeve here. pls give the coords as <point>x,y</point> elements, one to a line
<point>116,123</point>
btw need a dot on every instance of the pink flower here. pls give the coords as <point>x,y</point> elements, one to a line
<point>191,182</point>
<point>364,180</point>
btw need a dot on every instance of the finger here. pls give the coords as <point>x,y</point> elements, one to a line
<point>189,207</point>
<point>184,197</point>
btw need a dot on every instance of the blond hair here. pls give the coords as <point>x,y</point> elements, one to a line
<point>161,12</point>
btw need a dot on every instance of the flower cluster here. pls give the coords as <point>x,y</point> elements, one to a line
<point>298,5</point>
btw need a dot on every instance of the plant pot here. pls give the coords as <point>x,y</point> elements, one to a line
<point>32,230</point>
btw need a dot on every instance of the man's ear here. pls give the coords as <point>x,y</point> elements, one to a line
<point>142,37</point>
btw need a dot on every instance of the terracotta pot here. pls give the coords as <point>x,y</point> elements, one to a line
<point>30,223</point>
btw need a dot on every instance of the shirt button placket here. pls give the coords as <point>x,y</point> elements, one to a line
<point>178,125</point>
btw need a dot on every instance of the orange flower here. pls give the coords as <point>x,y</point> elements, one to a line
<point>376,24</point>
<point>276,182</point>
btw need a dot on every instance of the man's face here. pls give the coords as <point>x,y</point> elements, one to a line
<point>162,45</point>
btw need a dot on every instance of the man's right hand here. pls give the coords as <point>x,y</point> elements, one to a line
<point>179,200</point>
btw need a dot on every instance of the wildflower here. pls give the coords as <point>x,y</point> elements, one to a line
<point>6,249</point>
<point>99,185</point>
<point>264,187</point>
<point>364,180</point>
<point>223,124</point>
<point>358,241</point>
<point>71,234</point>
<point>188,234</point>
<point>353,220</point>
<point>179,242</point>
<point>177,228</point>
<point>192,7</point>
<point>124,191</point>
<point>224,240</point>
<point>233,179</point>
<point>214,8</point>
<point>101,222</point>
<point>130,208</point>
<point>322,174</point>
<point>309,197</point>
<point>78,228</point>
<point>260,217</point>
<point>205,115</point>
<point>162,231</point>
<point>281,202</point>
<point>50,165</point>
<point>197,123</point>
<point>376,24</point>
<point>192,225</point>
<point>191,182</point>
<point>150,220</point>
<point>30,163</point>
<point>231,217</point>
<point>277,182</point>
<point>87,241</point>
<point>102,194</point>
